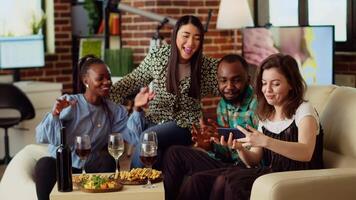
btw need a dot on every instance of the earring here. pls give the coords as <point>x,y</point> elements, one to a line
<point>86,85</point>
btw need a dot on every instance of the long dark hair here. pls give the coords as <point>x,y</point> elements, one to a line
<point>288,67</point>
<point>84,64</point>
<point>195,61</point>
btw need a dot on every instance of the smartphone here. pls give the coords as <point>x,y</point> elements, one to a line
<point>236,133</point>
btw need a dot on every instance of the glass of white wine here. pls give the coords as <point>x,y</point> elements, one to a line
<point>116,149</point>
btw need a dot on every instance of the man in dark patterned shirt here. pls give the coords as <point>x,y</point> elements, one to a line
<point>237,107</point>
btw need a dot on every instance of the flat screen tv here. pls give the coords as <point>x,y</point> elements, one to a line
<point>311,46</point>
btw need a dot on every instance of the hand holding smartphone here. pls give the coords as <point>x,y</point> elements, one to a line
<point>237,134</point>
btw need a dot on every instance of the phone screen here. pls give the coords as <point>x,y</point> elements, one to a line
<point>226,131</point>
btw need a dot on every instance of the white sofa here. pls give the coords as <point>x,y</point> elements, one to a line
<point>337,109</point>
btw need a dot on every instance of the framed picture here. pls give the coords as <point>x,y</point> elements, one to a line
<point>94,46</point>
<point>311,46</point>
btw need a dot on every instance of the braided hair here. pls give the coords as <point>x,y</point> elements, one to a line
<point>84,64</point>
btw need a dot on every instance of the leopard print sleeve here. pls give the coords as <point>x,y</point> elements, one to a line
<point>209,85</point>
<point>139,77</point>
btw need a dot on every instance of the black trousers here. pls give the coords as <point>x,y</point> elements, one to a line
<point>209,178</point>
<point>168,134</point>
<point>183,161</point>
<point>45,173</point>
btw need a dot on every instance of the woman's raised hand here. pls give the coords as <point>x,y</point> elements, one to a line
<point>253,137</point>
<point>61,104</point>
<point>143,98</point>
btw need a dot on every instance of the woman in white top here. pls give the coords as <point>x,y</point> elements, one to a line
<point>289,137</point>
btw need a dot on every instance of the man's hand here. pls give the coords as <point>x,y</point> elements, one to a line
<point>202,135</point>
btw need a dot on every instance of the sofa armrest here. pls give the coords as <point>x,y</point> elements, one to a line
<point>339,183</point>
<point>17,181</point>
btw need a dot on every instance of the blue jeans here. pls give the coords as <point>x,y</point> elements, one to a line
<point>168,134</point>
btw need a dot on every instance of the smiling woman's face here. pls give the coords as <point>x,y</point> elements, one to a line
<point>98,79</point>
<point>275,87</point>
<point>188,42</point>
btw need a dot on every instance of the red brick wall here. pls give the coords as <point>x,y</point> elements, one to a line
<point>58,66</point>
<point>345,64</point>
<point>137,31</point>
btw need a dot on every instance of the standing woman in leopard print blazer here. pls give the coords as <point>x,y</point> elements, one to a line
<point>180,77</point>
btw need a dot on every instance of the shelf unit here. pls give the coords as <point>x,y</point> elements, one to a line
<point>105,7</point>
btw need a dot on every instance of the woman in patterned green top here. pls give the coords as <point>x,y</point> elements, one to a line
<point>180,76</point>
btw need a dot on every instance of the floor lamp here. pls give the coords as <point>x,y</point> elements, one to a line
<point>233,15</point>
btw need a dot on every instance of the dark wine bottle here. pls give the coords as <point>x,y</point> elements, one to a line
<point>64,165</point>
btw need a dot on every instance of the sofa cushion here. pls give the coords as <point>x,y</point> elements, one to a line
<point>336,106</point>
<point>338,120</point>
<point>319,96</point>
<point>325,184</point>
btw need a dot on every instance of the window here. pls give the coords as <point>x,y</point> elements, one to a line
<point>18,18</point>
<point>340,13</point>
<point>287,9</point>
<point>326,12</point>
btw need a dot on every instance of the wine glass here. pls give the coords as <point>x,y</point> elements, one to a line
<point>148,153</point>
<point>116,149</point>
<point>83,148</point>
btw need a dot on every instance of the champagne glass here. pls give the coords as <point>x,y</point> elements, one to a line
<point>116,149</point>
<point>83,148</point>
<point>148,153</point>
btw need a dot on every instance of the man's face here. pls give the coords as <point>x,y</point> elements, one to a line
<point>233,80</point>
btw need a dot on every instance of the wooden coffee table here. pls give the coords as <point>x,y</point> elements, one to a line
<point>129,192</point>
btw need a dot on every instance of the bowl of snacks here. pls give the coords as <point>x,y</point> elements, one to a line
<point>97,183</point>
<point>139,176</point>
